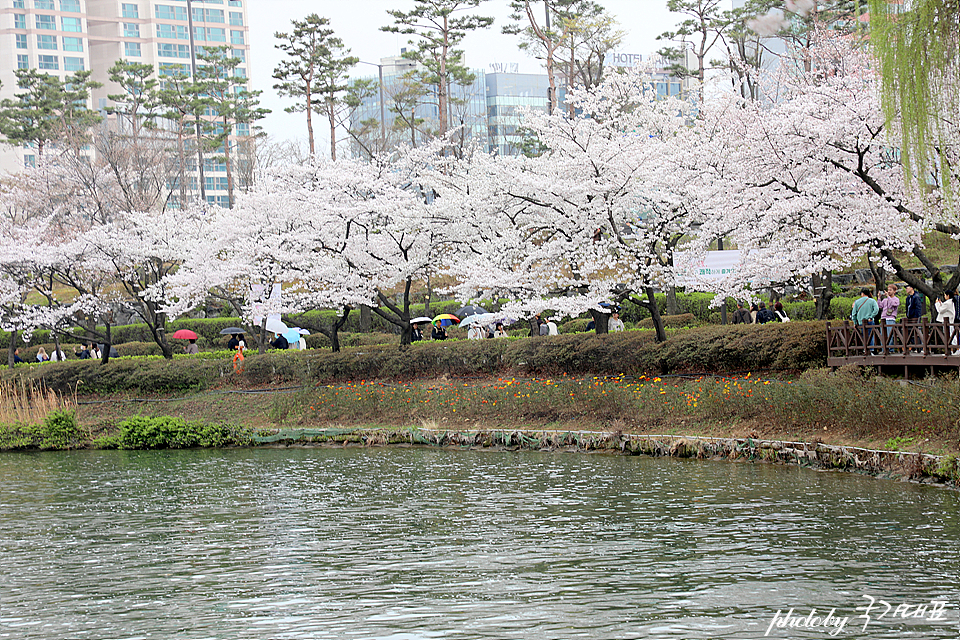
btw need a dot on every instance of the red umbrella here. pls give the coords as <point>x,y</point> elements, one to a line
<point>184,334</point>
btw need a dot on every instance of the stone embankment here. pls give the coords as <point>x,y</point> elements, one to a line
<point>920,467</point>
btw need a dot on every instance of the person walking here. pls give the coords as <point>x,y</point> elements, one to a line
<point>780,313</point>
<point>615,323</point>
<point>552,329</point>
<point>889,305</point>
<point>914,313</point>
<point>947,314</point>
<point>42,355</point>
<point>764,315</point>
<point>865,309</point>
<point>741,315</point>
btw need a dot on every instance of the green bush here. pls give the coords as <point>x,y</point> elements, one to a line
<point>678,321</point>
<point>165,432</point>
<point>710,348</point>
<point>60,430</point>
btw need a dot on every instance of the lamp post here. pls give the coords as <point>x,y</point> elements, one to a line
<point>383,118</point>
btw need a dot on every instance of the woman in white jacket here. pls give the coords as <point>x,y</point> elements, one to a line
<point>947,313</point>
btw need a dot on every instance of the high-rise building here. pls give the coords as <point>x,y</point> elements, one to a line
<point>65,36</point>
<point>409,110</point>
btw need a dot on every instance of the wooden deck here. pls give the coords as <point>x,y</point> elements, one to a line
<point>910,348</point>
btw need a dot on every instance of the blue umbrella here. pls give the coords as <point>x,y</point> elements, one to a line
<point>292,335</point>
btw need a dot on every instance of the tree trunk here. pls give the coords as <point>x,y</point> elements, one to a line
<point>11,348</point>
<point>601,321</point>
<point>227,163</point>
<point>365,318</point>
<point>335,330</point>
<point>262,348</point>
<point>824,283</point>
<point>650,304</point>
<point>333,131</point>
<point>672,307</point>
<point>309,98</point>
<point>879,276</point>
<point>107,344</point>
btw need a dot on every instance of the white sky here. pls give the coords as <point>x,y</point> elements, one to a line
<point>358,22</point>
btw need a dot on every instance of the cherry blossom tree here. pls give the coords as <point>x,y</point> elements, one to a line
<point>597,217</point>
<point>810,183</point>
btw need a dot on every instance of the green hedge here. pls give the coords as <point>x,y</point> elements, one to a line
<point>712,348</point>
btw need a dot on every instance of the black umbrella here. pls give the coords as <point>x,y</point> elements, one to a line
<point>469,310</point>
<point>232,331</point>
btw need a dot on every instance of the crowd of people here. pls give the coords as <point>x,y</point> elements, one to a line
<point>759,314</point>
<point>867,312</point>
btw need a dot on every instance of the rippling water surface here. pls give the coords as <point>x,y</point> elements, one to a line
<point>404,544</point>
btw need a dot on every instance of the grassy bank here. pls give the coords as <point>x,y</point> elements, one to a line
<point>710,349</point>
<point>831,412</point>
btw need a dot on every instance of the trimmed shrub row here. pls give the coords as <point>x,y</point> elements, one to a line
<point>791,346</point>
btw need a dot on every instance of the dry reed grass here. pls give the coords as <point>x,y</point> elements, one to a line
<point>23,402</point>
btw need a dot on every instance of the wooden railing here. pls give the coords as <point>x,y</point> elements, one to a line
<point>922,343</point>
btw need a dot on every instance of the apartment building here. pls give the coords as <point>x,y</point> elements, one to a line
<point>65,36</point>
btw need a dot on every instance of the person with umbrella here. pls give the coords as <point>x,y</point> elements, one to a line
<point>438,332</point>
<point>280,342</point>
<point>186,334</point>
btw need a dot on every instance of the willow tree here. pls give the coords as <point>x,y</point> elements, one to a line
<point>916,43</point>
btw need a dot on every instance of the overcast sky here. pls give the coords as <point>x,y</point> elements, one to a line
<point>358,22</point>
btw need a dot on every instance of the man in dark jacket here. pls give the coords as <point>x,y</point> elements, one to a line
<point>741,315</point>
<point>280,343</point>
<point>914,313</point>
<point>764,315</point>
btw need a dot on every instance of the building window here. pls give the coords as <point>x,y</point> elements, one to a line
<point>23,61</point>
<point>46,22</point>
<point>167,12</point>
<point>174,69</point>
<point>240,54</point>
<point>243,129</point>
<point>43,4</point>
<point>131,30</point>
<point>236,18</point>
<point>48,62</point>
<point>30,161</point>
<point>240,72</point>
<point>70,6</point>
<point>131,49</point>
<point>213,164</point>
<point>210,34</point>
<point>172,31</point>
<point>236,3</point>
<point>236,37</point>
<point>207,15</point>
<point>221,201</point>
<point>19,21</point>
<point>72,44</point>
<point>130,10</point>
<point>215,183</point>
<point>21,41</point>
<point>18,4</point>
<point>71,24</point>
<point>47,42</point>
<point>165,50</point>
<point>72,64</point>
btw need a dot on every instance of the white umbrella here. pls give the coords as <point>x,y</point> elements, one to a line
<point>275,326</point>
<point>303,332</point>
<point>421,319</point>
<point>479,318</point>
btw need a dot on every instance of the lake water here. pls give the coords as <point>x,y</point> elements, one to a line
<point>404,544</point>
